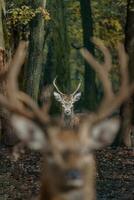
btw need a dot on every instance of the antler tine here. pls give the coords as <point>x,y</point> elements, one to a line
<point>100,68</point>
<point>54,83</point>
<point>107,56</point>
<point>78,87</point>
<point>42,116</point>
<point>123,59</point>
<point>12,107</point>
<point>15,67</point>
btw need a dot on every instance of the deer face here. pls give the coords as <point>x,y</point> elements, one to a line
<point>67,152</point>
<point>68,157</point>
<point>67,101</point>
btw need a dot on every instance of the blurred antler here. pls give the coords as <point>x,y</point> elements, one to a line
<point>110,101</point>
<point>11,102</point>
<point>15,67</point>
<point>17,101</point>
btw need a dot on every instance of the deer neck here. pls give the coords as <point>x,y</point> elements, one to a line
<point>67,119</point>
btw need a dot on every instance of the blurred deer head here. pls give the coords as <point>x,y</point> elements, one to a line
<point>68,152</point>
<point>67,100</point>
<point>69,164</point>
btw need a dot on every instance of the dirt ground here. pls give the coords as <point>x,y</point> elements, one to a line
<point>115,180</point>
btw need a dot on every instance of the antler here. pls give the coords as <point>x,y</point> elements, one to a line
<point>110,101</point>
<point>21,103</point>
<point>17,101</point>
<point>15,67</point>
<point>10,102</point>
<point>54,83</point>
<point>76,89</point>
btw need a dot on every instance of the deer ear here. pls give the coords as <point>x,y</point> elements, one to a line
<point>57,96</point>
<point>28,132</point>
<point>77,97</point>
<point>104,133</point>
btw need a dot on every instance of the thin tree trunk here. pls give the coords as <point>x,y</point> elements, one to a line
<point>33,67</point>
<point>89,85</point>
<point>48,67</point>
<point>2,42</point>
<point>60,48</point>
<point>127,110</point>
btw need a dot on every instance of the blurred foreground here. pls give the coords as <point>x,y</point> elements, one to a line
<point>20,180</point>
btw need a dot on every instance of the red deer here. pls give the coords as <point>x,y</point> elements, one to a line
<point>69,163</point>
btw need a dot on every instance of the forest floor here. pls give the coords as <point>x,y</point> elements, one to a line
<point>20,180</point>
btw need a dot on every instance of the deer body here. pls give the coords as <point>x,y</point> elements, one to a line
<point>69,163</point>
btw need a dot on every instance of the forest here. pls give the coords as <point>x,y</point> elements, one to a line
<point>66,99</point>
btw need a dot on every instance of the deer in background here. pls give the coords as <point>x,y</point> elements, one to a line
<point>69,164</point>
<point>67,103</point>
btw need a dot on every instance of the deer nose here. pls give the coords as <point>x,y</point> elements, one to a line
<point>73,174</point>
<point>68,112</point>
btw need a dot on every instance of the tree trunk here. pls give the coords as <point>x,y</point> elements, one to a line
<point>89,85</point>
<point>48,67</point>
<point>6,132</point>
<point>33,67</point>
<point>127,110</point>
<point>60,48</point>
